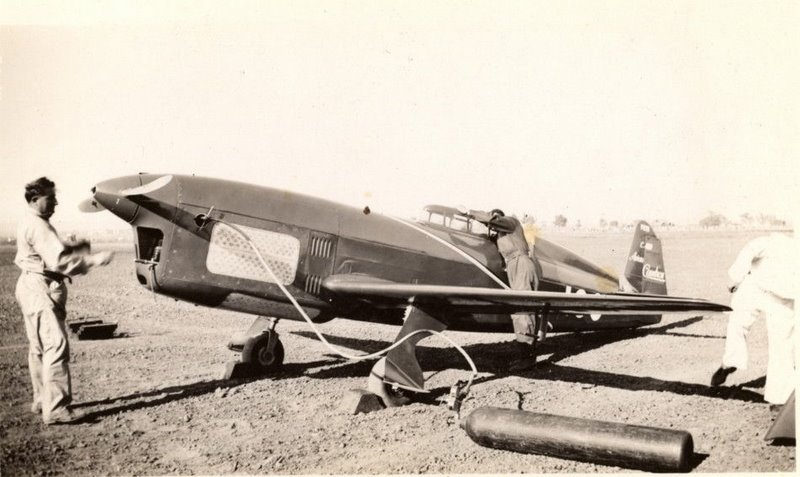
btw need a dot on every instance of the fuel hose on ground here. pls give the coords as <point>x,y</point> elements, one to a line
<point>609,443</point>
<point>463,390</point>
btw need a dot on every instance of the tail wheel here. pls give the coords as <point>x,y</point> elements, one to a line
<point>256,352</point>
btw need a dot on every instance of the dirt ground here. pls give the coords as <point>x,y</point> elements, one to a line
<point>155,402</point>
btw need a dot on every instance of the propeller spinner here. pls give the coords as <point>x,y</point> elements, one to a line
<point>90,205</point>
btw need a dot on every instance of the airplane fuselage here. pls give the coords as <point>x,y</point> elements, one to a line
<point>304,240</point>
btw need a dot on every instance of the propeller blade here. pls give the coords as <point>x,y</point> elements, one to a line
<point>90,205</point>
<point>147,188</point>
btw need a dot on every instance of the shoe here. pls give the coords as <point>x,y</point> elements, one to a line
<point>720,375</point>
<point>62,417</point>
<point>36,407</point>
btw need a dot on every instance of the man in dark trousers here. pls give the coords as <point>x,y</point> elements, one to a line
<point>508,234</point>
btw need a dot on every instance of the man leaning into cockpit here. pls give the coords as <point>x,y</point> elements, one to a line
<point>508,235</point>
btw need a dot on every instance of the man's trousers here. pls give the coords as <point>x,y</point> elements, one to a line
<point>748,303</point>
<point>42,301</point>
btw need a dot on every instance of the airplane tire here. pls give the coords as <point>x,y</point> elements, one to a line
<point>255,352</point>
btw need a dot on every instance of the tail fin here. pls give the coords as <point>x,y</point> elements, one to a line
<point>645,268</point>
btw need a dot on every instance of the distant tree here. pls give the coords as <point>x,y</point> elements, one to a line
<point>770,220</point>
<point>746,218</point>
<point>713,219</point>
<point>764,219</point>
<point>560,221</point>
<point>603,223</point>
<point>779,223</point>
<point>664,223</point>
<point>614,223</point>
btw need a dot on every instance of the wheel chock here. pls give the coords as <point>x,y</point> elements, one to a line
<point>100,331</point>
<point>92,329</point>
<point>76,325</point>
<point>239,370</point>
<point>357,401</point>
<point>783,427</point>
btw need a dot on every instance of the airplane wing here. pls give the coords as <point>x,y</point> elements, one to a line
<point>385,294</point>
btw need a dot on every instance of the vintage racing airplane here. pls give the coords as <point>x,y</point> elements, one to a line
<point>279,254</point>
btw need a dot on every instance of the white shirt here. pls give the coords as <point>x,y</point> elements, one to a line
<point>40,250</point>
<point>772,262</point>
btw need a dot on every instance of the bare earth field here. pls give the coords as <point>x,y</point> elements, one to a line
<point>156,405</point>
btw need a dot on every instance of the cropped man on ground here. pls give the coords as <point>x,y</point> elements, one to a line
<point>763,280</point>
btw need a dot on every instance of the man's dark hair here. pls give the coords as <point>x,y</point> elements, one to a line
<point>497,212</point>
<point>38,188</point>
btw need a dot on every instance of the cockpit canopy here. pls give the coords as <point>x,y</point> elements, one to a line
<point>451,218</point>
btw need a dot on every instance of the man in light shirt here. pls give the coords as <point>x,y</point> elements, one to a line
<point>763,279</point>
<point>46,263</point>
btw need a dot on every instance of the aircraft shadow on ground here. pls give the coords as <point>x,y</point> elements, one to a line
<point>494,358</point>
<point>157,397</point>
<point>489,357</point>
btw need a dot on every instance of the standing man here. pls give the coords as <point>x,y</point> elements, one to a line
<point>508,234</point>
<point>46,263</point>
<point>763,280</point>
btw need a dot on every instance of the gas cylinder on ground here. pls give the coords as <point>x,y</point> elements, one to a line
<point>609,443</point>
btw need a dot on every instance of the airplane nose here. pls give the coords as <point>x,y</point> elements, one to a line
<point>109,195</point>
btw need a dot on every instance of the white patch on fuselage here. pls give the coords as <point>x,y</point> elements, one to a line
<point>231,255</point>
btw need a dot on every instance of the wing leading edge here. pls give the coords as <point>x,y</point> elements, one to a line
<point>383,294</point>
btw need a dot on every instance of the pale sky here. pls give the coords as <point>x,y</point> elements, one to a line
<point>615,110</point>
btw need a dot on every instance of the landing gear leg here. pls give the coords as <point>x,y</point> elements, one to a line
<point>376,384</point>
<point>261,348</point>
<point>265,350</point>
<point>398,370</point>
<point>542,323</point>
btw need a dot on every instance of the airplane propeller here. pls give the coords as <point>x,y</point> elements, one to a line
<point>147,188</point>
<point>92,204</point>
